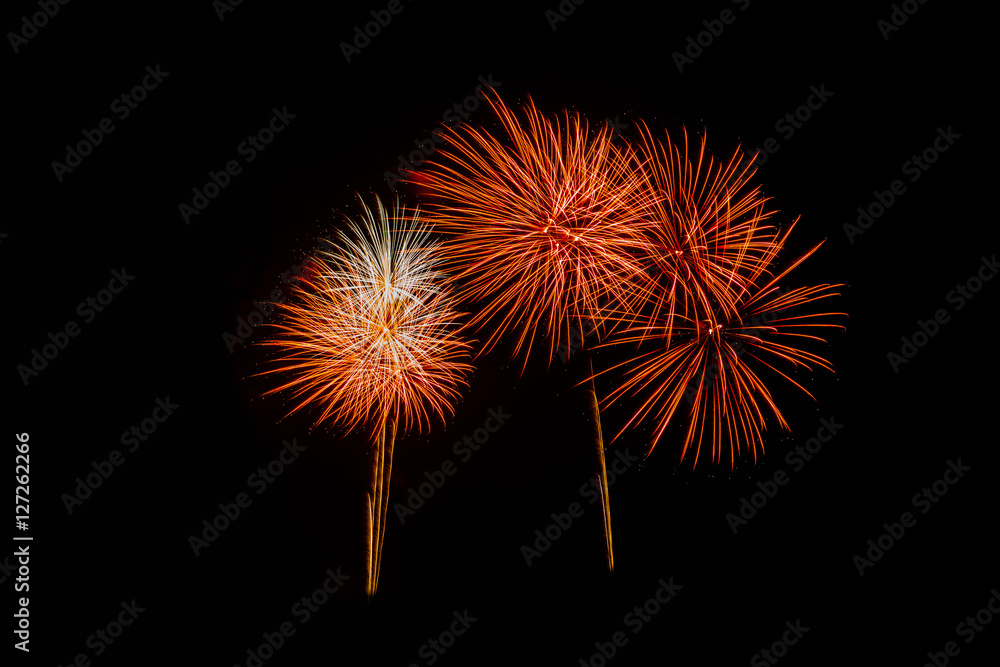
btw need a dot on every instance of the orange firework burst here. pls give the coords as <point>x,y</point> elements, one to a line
<point>371,338</point>
<point>711,359</point>
<point>540,223</point>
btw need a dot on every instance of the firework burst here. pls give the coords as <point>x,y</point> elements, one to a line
<point>711,360</point>
<point>705,231</point>
<point>370,338</point>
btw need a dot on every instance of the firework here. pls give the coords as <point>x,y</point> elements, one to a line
<point>712,359</point>
<point>540,225</point>
<point>705,233</point>
<point>369,338</point>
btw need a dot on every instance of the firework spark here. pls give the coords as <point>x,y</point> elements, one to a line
<point>369,338</point>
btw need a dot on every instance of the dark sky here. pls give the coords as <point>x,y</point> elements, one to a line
<point>169,288</point>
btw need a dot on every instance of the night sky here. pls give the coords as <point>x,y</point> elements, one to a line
<point>174,163</point>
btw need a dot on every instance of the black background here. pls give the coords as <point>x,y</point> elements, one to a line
<point>163,336</point>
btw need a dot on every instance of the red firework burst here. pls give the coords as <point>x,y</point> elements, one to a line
<point>711,359</point>
<point>705,233</point>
